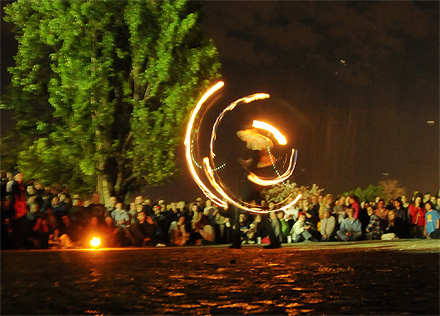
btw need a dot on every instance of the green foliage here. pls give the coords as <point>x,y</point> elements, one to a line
<point>104,87</point>
<point>41,159</point>
<point>282,191</point>
<point>10,149</point>
<point>369,194</point>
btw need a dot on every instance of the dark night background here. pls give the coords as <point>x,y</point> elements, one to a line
<point>363,78</point>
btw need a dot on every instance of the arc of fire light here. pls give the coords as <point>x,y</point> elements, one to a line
<point>207,162</point>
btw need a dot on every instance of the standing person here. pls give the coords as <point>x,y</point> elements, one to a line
<point>257,161</point>
<point>364,217</point>
<point>315,204</point>
<point>405,202</point>
<point>417,213</point>
<point>432,218</point>
<point>327,204</point>
<point>97,209</point>
<point>20,229</point>
<point>4,192</point>
<point>9,181</point>
<point>276,225</point>
<point>382,212</point>
<point>339,210</point>
<point>402,213</point>
<point>352,199</point>
<point>312,213</point>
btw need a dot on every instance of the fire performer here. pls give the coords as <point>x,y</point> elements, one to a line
<point>257,160</point>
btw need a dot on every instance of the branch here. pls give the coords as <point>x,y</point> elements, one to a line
<point>127,142</point>
<point>147,95</point>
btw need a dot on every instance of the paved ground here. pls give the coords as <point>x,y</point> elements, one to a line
<point>363,278</point>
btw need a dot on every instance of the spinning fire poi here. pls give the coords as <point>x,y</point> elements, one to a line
<point>258,139</point>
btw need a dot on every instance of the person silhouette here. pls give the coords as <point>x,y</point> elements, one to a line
<point>257,160</point>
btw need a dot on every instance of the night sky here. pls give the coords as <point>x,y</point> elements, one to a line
<point>362,78</point>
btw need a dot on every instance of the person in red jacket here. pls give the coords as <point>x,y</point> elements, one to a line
<point>354,205</point>
<point>417,215</point>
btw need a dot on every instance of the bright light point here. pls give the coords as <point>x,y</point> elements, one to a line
<point>275,132</point>
<point>95,242</point>
<point>256,96</point>
<point>430,122</point>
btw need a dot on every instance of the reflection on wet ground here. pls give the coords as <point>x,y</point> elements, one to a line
<point>217,280</point>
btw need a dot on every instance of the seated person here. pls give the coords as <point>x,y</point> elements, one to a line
<point>202,233</point>
<point>395,225</point>
<point>120,216</point>
<point>374,228</point>
<point>328,223</point>
<point>285,228</point>
<point>264,230</point>
<point>300,231</point>
<point>144,231</point>
<point>40,233</point>
<point>122,223</point>
<point>178,234</point>
<point>350,228</point>
<point>244,227</point>
<point>109,232</point>
<point>207,231</point>
<point>68,228</point>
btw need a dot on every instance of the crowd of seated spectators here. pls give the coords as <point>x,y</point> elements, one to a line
<point>38,217</point>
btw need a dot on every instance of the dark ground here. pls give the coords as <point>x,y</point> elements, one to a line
<point>362,278</point>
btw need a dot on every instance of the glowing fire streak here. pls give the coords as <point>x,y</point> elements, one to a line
<point>210,175</point>
<point>209,170</point>
<point>266,182</point>
<point>230,107</point>
<point>95,242</point>
<point>275,132</point>
<point>190,164</point>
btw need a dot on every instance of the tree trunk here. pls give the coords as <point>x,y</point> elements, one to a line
<point>103,187</point>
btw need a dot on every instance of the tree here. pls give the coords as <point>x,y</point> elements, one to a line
<point>114,82</point>
<point>282,191</point>
<point>369,194</point>
<point>391,189</point>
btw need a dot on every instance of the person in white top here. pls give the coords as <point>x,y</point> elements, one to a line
<point>299,230</point>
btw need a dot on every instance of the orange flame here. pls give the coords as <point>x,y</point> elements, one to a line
<point>95,242</point>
